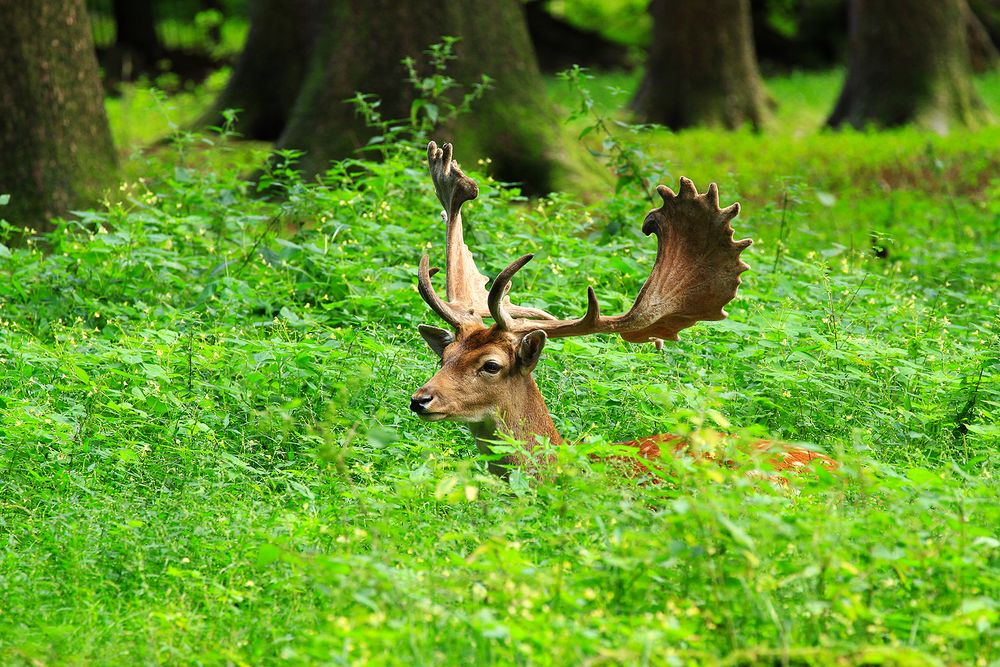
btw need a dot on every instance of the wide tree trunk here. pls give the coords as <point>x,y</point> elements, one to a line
<point>55,145</point>
<point>272,66</point>
<point>361,49</point>
<point>701,68</point>
<point>908,63</point>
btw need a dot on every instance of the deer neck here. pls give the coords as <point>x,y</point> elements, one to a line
<point>523,416</point>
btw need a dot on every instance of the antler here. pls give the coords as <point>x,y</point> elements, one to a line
<point>696,273</point>
<point>465,286</point>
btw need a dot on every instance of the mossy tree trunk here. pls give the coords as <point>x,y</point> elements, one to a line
<point>361,49</point>
<point>55,145</point>
<point>908,62</point>
<point>701,68</point>
<point>270,71</point>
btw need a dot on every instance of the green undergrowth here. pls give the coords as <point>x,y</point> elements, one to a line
<point>208,459</point>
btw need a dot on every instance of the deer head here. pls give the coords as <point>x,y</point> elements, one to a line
<point>485,375</point>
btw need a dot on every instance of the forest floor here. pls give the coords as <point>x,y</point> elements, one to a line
<point>208,458</point>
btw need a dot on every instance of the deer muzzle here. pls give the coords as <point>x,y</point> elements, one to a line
<point>422,403</point>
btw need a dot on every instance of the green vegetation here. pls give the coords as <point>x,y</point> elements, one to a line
<point>207,456</point>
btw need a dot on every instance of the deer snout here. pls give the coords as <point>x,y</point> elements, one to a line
<point>420,400</point>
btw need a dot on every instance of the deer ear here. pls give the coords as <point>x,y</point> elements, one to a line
<point>436,338</point>
<point>530,349</point>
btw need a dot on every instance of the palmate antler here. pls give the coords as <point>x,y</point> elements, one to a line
<point>466,286</point>
<point>696,272</point>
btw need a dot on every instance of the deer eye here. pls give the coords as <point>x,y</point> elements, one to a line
<point>492,367</point>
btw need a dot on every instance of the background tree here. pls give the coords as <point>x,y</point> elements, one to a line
<point>136,48</point>
<point>55,146</point>
<point>908,62</point>
<point>983,54</point>
<point>701,68</point>
<point>272,66</point>
<point>359,47</point>
<point>988,14</point>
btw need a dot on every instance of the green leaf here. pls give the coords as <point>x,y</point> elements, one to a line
<point>267,554</point>
<point>154,372</point>
<point>80,374</point>
<point>380,436</point>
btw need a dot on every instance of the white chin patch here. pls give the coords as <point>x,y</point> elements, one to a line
<point>433,417</point>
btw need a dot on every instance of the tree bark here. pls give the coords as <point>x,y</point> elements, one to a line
<point>988,14</point>
<point>272,67</point>
<point>908,63</point>
<point>983,54</point>
<point>56,150</point>
<point>701,68</point>
<point>360,50</point>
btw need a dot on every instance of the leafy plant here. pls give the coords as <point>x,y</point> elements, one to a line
<point>438,101</point>
<point>207,458</point>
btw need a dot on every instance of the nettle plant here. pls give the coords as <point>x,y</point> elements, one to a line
<point>438,99</point>
<point>485,379</point>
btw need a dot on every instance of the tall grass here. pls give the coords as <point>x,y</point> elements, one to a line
<point>207,457</point>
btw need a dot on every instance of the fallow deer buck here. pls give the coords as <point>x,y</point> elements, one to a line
<point>485,379</point>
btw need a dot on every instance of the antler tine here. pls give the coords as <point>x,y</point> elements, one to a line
<point>445,154</point>
<point>688,190</point>
<point>665,193</point>
<point>712,196</point>
<point>499,289</point>
<point>731,212</point>
<point>593,314</point>
<point>437,304</point>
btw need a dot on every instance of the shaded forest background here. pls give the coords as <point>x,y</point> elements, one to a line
<point>303,81</point>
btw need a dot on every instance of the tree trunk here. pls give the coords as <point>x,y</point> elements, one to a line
<point>361,49</point>
<point>988,13</point>
<point>983,54</point>
<point>271,68</point>
<point>908,63</point>
<point>55,145</point>
<point>701,68</point>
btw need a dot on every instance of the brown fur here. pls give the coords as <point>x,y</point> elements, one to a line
<point>779,456</point>
<point>510,403</point>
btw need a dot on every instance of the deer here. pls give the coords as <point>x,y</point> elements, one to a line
<point>485,379</point>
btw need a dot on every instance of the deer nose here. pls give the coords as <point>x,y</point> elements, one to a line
<point>419,403</point>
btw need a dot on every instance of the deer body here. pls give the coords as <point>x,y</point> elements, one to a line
<point>485,379</point>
